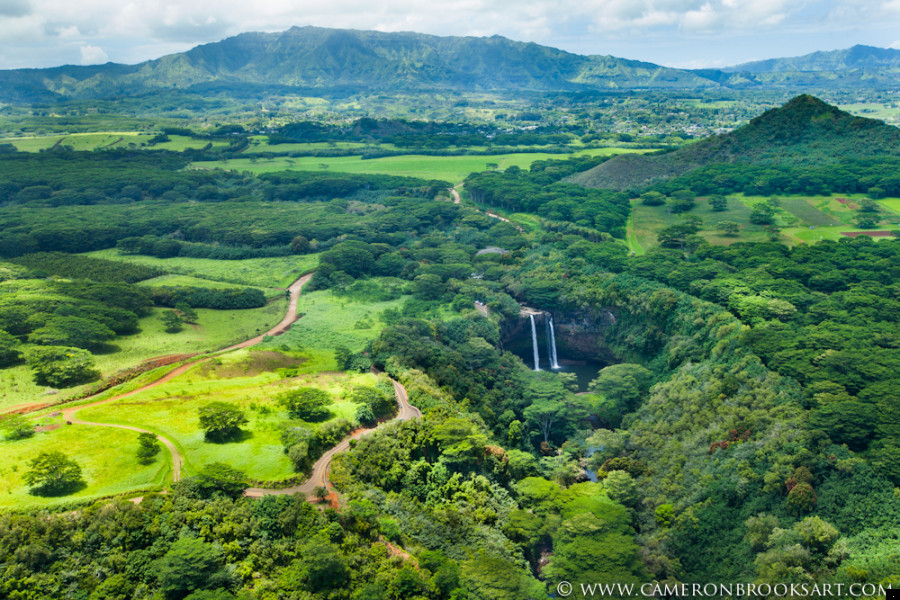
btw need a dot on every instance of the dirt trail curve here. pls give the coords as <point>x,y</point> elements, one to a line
<point>456,198</point>
<point>321,468</point>
<point>177,459</point>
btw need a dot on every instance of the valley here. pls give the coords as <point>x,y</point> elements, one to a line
<point>316,323</point>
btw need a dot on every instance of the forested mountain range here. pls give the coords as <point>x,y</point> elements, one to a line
<point>806,131</point>
<point>340,60</point>
<point>321,58</point>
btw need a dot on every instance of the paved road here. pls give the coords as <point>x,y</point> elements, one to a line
<point>177,459</point>
<point>321,468</point>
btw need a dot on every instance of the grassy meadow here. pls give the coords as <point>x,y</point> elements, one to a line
<point>802,220</point>
<point>106,140</point>
<point>215,329</point>
<point>278,271</point>
<point>329,320</point>
<point>446,168</point>
<point>107,457</point>
<point>190,281</point>
<point>244,379</point>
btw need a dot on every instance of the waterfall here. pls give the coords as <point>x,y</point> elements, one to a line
<point>534,344</point>
<point>554,362</point>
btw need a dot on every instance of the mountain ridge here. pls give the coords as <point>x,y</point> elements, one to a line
<point>319,58</point>
<point>315,57</point>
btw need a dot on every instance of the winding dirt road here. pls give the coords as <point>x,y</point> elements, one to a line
<point>322,467</point>
<point>177,459</point>
<point>456,198</point>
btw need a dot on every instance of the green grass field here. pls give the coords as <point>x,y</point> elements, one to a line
<point>873,110</point>
<point>18,387</point>
<point>171,410</point>
<point>105,140</point>
<point>260,143</point>
<point>647,221</point>
<point>630,238</point>
<point>215,329</point>
<point>78,141</point>
<point>803,209</point>
<point>279,271</point>
<point>446,168</point>
<point>179,143</point>
<point>892,204</point>
<point>190,281</point>
<point>106,456</point>
<point>330,321</point>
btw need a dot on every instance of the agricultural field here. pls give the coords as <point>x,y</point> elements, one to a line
<point>105,472</point>
<point>802,219</point>
<point>445,168</point>
<point>647,221</point>
<point>887,112</point>
<point>279,271</point>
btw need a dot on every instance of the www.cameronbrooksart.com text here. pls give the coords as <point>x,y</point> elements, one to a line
<point>720,590</point>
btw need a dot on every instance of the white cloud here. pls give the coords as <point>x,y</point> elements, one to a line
<point>133,30</point>
<point>93,55</point>
<point>14,8</point>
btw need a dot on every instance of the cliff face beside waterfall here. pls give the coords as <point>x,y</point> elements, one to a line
<point>579,338</point>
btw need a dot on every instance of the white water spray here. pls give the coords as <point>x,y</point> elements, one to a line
<point>554,362</point>
<point>534,344</point>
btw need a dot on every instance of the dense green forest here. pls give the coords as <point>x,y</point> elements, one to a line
<point>739,427</point>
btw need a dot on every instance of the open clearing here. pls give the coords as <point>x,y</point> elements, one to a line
<point>171,410</point>
<point>446,168</point>
<point>107,458</point>
<point>106,140</point>
<point>190,281</point>
<point>278,271</point>
<point>215,329</point>
<point>647,221</point>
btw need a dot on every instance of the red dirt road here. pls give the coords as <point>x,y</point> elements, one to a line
<point>321,468</point>
<point>177,459</point>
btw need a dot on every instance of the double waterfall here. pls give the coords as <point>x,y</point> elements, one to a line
<point>551,344</point>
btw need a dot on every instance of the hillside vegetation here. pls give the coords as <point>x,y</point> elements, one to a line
<point>805,132</point>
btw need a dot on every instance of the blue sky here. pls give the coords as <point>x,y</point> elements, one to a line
<point>680,33</point>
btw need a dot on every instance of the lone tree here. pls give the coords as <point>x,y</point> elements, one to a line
<point>718,202</point>
<point>866,220</point>
<point>53,474</point>
<point>653,198</point>
<point>59,366</point>
<point>680,201</point>
<point>17,427</point>
<point>214,479</point>
<point>729,228</point>
<point>186,313</point>
<point>309,404</point>
<point>221,421</point>
<point>171,321</point>
<point>148,448</point>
